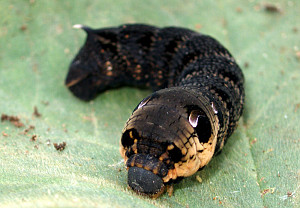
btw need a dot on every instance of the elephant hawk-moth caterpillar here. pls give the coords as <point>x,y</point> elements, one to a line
<point>197,101</point>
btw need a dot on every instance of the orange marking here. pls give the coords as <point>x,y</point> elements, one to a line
<point>155,171</point>
<point>74,82</point>
<point>131,135</point>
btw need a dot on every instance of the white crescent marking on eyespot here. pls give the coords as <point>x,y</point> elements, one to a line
<point>193,122</point>
<point>215,110</point>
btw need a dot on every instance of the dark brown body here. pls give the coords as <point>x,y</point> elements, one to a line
<point>177,130</point>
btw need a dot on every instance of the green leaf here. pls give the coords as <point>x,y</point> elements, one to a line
<point>259,166</point>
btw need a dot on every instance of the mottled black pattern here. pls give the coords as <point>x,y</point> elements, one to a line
<point>176,126</point>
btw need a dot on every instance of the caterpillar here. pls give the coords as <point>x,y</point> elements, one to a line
<point>197,100</point>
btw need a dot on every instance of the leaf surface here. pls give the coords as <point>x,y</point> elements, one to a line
<point>259,166</point>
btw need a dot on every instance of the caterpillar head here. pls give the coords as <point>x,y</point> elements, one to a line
<point>144,181</point>
<point>145,174</point>
<point>164,141</point>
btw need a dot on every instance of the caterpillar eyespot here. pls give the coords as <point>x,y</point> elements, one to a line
<point>197,101</point>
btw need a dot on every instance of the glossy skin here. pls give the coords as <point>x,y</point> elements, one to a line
<point>177,130</point>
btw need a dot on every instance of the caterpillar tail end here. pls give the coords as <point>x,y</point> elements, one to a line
<point>83,27</point>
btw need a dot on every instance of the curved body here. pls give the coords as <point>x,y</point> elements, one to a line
<point>177,130</point>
